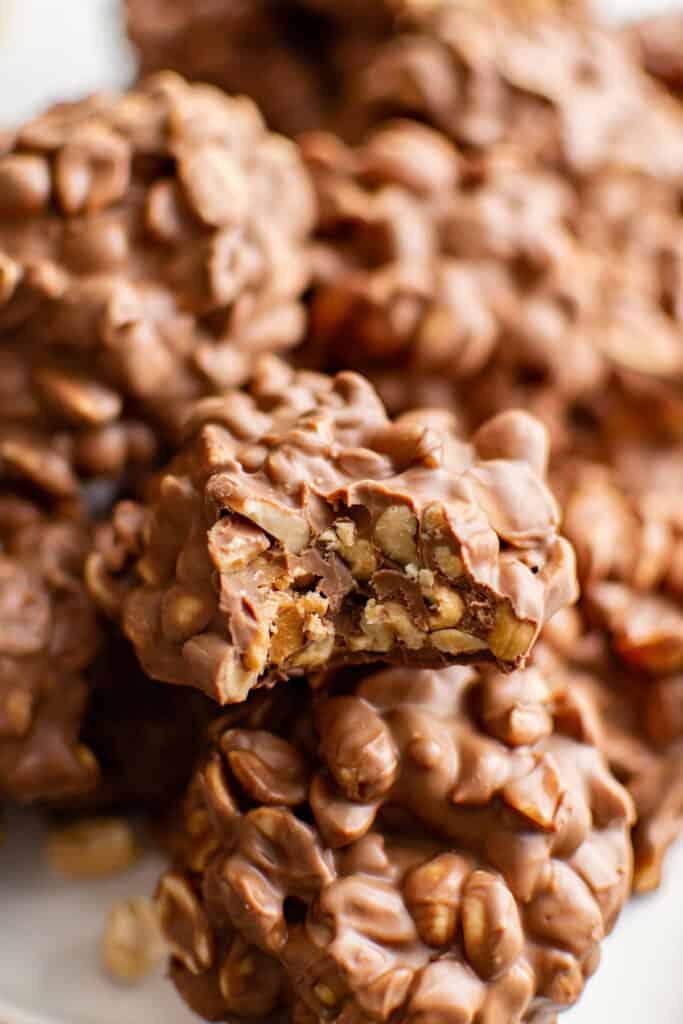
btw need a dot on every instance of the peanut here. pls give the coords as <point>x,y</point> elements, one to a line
<point>432,893</point>
<point>454,641</point>
<point>395,533</point>
<point>398,620</point>
<point>376,634</point>
<point>510,637</point>
<point>92,848</point>
<point>288,636</point>
<point>448,562</point>
<point>185,613</point>
<point>183,923</point>
<point>132,945</point>
<point>83,400</point>
<point>233,546</point>
<point>446,606</point>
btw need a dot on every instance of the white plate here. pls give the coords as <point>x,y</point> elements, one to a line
<point>50,933</point>
<point>50,936</point>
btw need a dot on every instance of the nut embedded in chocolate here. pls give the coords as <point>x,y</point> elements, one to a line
<point>635,721</point>
<point>626,524</point>
<point>474,877</point>
<point>392,297</point>
<point>48,636</point>
<point>81,726</point>
<point>300,528</point>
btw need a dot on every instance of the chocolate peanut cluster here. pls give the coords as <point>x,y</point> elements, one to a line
<point>396,295</point>
<point>424,845</point>
<point>626,638</point>
<point>48,636</point>
<point>635,722</point>
<point>300,528</point>
<point>296,58</point>
<point>487,280</point>
<point>152,244</point>
<point>505,234</point>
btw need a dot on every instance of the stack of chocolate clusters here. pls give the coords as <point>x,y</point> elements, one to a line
<point>368,438</point>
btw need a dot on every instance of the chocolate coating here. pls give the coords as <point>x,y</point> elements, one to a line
<point>492,282</point>
<point>627,528</point>
<point>393,297</point>
<point>48,635</point>
<point>626,639</point>
<point>152,244</point>
<point>300,527</point>
<point>439,853</point>
<point>296,58</point>
<point>634,721</point>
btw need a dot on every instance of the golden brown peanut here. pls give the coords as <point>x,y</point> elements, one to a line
<point>510,638</point>
<point>132,945</point>
<point>454,641</point>
<point>432,893</point>
<point>92,848</point>
<point>183,923</point>
<point>395,532</point>
<point>492,931</point>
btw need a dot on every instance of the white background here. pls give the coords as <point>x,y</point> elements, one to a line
<point>50,930</point>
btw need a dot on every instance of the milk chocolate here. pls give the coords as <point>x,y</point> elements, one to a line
<point>626,524</point>
<point>296,58</point>
<point>625,640</point>
<point>489,281</point>
<point>544,255</point>
<point>635,721</point>
<point>48,636</point>
<point>423,844</point>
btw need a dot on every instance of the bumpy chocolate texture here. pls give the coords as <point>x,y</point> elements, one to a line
<point>395,294</point>
<point>564,89</point>
<point>300,528</point>
<point>80,723</point>
<point>627,526</point>
<point>60,425</point>
<point>48,635</point>
<point>296,58</point>
<point>627,637</point>
<point>151,244</point>
<point>659,43</point>
<point>553,243</point>
<point>437,846</point>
